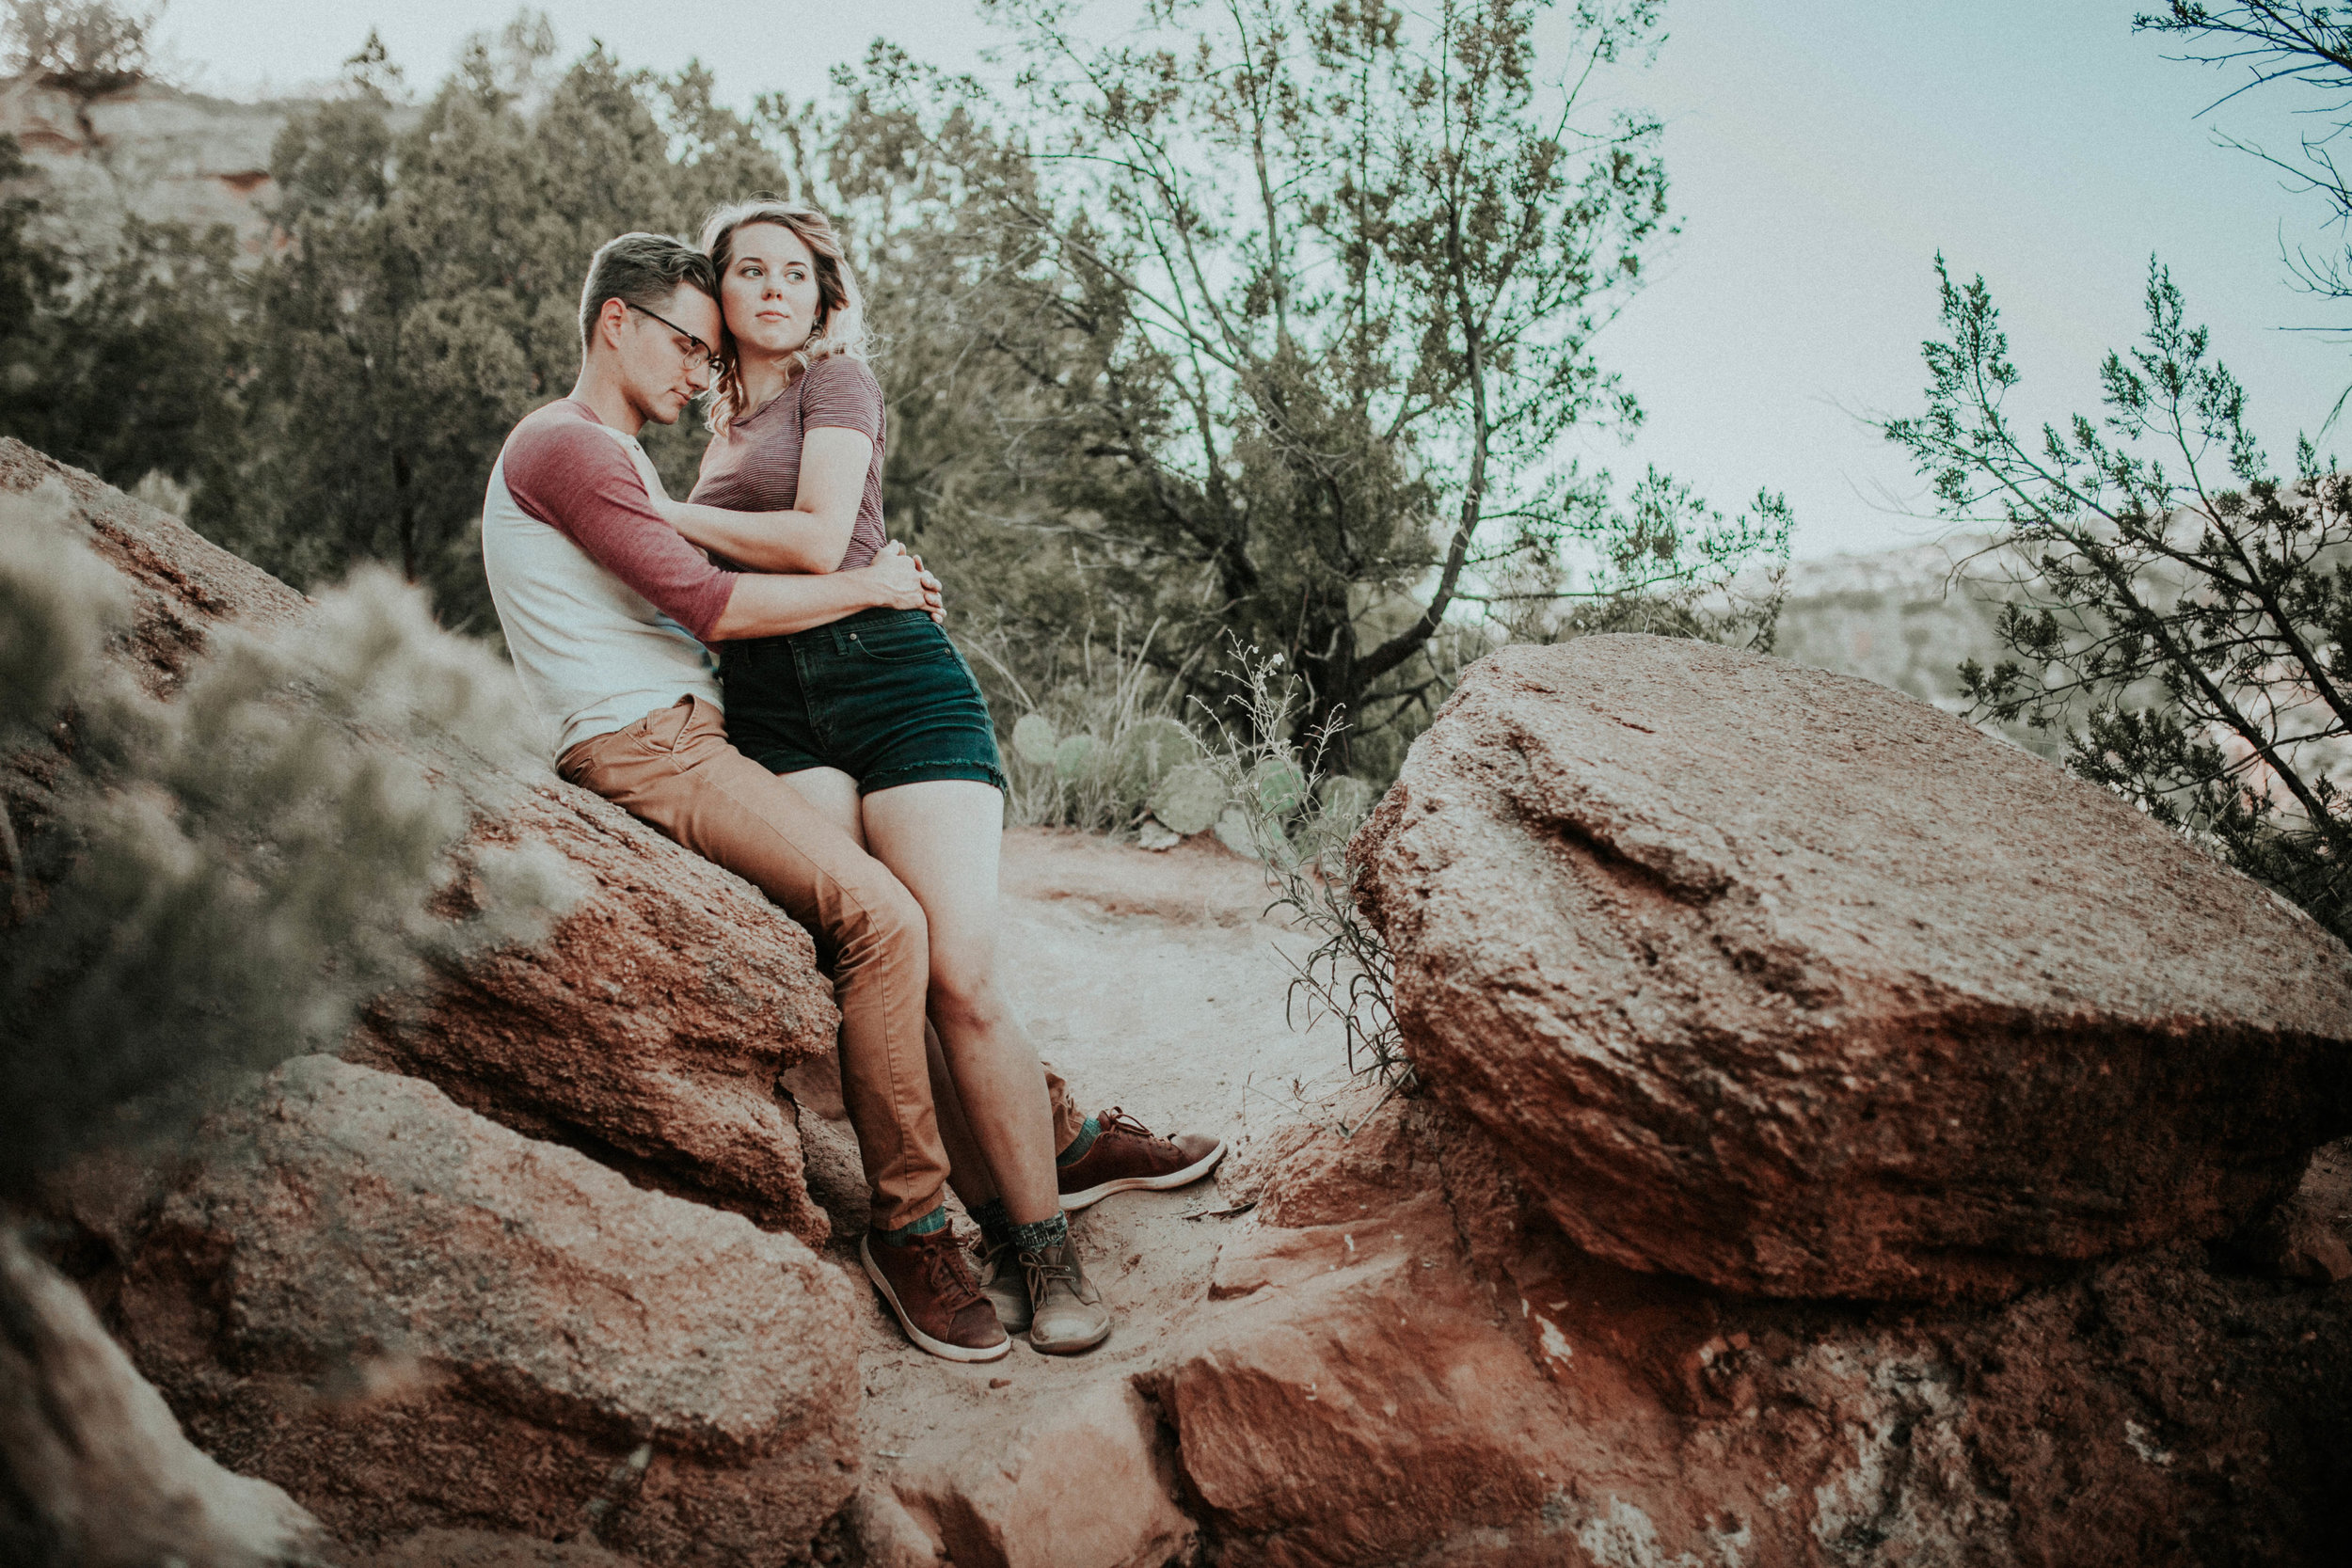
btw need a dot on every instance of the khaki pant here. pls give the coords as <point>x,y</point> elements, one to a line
<point>675,769</point>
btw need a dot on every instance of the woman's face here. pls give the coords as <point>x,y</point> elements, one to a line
<point>770,292</point>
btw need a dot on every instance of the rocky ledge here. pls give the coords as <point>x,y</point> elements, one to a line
<point>409,1315</point>
<point>1407,1362</point>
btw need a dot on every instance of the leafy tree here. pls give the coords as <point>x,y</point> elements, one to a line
<point>427,297</point>
<point>126,365</point>
<point>1303,297</point>
<point>139,361</point>
<point>2182,609</point>
<point>31,277</point>
<point>2309,45</point>
<point>2187,612</point>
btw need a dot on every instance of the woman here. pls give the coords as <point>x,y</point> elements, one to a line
<point>877,720</point>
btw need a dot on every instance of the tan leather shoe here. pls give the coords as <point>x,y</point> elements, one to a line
<point>1127,1155</point>
<point>929,1286</point>
<point>1066,1313</point>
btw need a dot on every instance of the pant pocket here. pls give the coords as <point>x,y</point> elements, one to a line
<point>666,731</point>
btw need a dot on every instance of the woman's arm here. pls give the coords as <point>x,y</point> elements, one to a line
<point>814,534</point>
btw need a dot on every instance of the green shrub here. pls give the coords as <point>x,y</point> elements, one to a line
<point>1094,734</point>
<point>217,881</point>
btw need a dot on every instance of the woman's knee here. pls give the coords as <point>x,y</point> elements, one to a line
<point>965,995</point>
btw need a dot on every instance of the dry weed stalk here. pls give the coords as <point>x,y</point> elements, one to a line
<point>1297,820</point>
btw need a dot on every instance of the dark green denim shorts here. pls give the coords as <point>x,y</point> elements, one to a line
<point>881,695</point>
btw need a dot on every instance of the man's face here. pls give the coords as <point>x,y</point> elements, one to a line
<point>665,352</point>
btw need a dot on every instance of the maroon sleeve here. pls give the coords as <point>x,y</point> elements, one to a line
<point>573,476</point>
<point>842,394</point>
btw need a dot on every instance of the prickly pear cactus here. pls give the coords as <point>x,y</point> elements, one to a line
<point>1073,756</point>
<point>1035,739</point>
<point>1232,830</point>
<point>1147,752</point>
<point>1189,797</point>
<point>1282,788</point>
<point>1344,799</point>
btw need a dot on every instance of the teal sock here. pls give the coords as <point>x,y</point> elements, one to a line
<point>930,1225</point>
<point>994,1223</point>
<point>1043,1234</point>
<point>1079,1145</point>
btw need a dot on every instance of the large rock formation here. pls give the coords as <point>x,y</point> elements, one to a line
<point>1406,1366</point>
<point>147,151</point>
<point>1714,1001</point>
<point>97,1473</point>
<point>648,1026</point>
<point>409,1316</point>
<point>1791,984</point>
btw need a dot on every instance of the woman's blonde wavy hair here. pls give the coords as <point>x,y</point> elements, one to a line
<point>841,327</point>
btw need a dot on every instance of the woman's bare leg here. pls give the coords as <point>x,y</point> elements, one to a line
<point>941,837</point>
<point>834,793</point>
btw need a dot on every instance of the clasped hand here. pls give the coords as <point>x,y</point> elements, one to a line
<point>901,575</point>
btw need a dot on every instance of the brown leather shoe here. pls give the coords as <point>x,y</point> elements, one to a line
<point>1127,1155</point>
<point>929,1286</point>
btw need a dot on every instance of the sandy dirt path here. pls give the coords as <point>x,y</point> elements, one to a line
<point>1152,982</point>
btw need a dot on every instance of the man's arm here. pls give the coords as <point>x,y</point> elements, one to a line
<point>573,476</point>
<point>578,481</point>
<point>771,604</point>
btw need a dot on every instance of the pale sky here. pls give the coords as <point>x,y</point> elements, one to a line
<point>1820,155</point>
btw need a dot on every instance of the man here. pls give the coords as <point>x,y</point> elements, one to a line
<point>606,611</point>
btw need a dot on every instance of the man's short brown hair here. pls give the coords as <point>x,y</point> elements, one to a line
<point>643,270</point>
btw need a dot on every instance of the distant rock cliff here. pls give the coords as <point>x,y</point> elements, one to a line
<point>149,151</point>
<point>1905,617</point>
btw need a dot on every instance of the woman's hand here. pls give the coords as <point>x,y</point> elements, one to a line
<point>672,513</point>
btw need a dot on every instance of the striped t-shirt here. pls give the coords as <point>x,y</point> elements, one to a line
<point>755,464</point>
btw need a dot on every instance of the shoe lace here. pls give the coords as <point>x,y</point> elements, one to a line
<point>1039,1269</point>
<point>949,1278</point>
<point>1116,1120</point>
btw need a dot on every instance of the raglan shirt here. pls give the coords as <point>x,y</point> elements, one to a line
<point>603,604</point>
<point>755,464</point>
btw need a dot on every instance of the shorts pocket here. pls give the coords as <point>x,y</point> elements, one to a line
<point>915,641</point>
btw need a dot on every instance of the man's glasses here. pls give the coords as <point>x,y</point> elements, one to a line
<point>709,353</point>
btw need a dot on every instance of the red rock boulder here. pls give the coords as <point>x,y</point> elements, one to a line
<point>1407,1366</point>
<point>1083,1478</point>
<point>646,1025</point>
<point>412,1318</point>
<point>1791,984</point>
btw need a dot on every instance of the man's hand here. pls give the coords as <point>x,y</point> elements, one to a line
<point>898,582</point>
<point>938,607</point>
